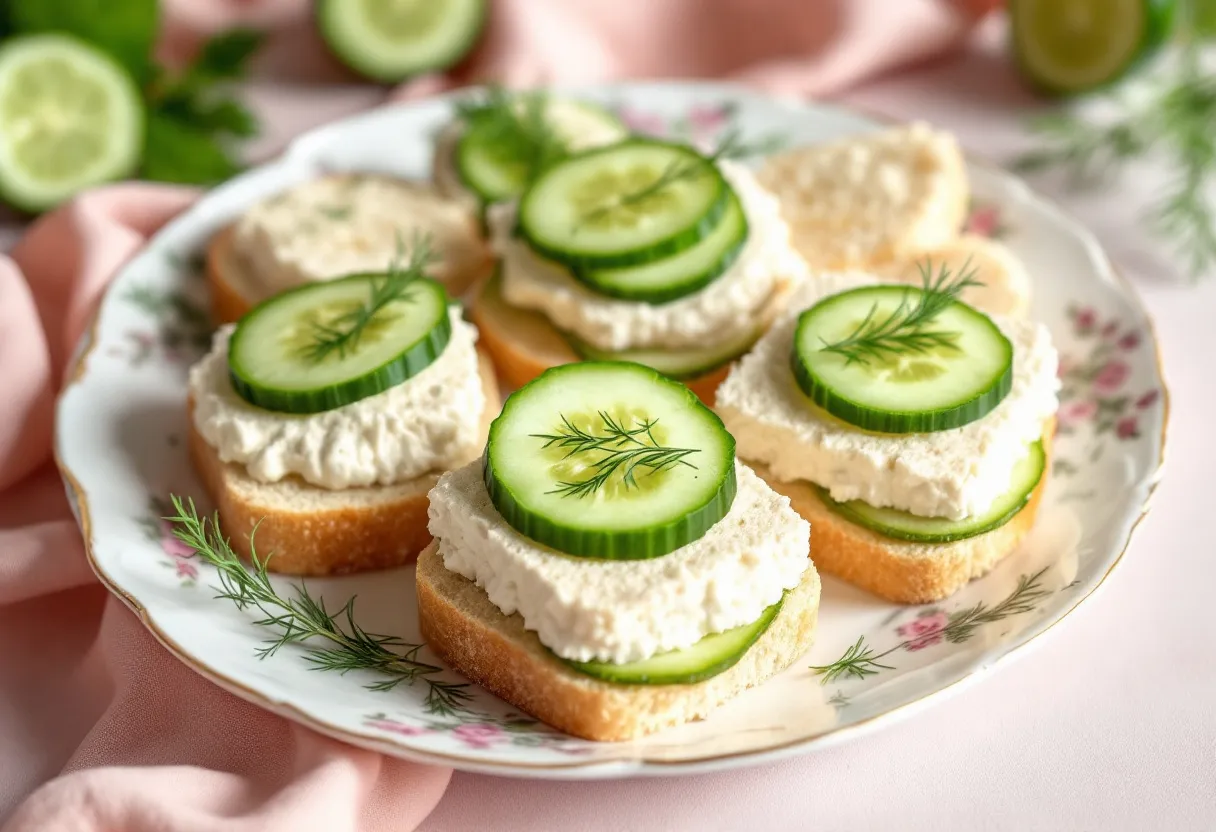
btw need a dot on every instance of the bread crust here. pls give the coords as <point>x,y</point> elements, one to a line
<point>318,531</point>
<point>902,571</point>
<point>232,297</point>
<point>470,634</point>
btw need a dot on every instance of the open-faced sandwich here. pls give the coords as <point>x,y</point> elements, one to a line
<point>886,203</point>
<point>325,416</point>
<point>499,141</point>
<point>644,251</point>
<point>912,430</point>
<point>608,565</point>
<point>333,226</point>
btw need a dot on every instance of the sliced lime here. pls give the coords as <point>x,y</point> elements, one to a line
<point>1072,46</point>
<point>70,117</point>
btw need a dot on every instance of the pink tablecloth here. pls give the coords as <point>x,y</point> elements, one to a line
<point>1107,725</point>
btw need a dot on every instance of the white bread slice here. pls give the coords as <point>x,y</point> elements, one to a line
<point>465,255</point>
<point>471,635</point>
<point>902,571</point>
<point>523,343</point>
<point>871,199</point>
<point>319,531</point>
<point>1006,289</point>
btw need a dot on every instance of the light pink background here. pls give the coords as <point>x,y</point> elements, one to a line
<point>1108,722</point>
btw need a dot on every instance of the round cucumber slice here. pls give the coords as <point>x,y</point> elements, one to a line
<point>609,460</point>
<point>708,657</point>
<point>939,388</point>
<point>1072,46</point>
<point>495,159</point>
<point>678,364</point>
<point>391,40</point>
<point>70,118</point>
<point>273,359</point>
<point>901,525</point>
<point>608,207</point>
<point>682,273</point>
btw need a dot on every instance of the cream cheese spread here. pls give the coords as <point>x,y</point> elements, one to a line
<point>953,473</point>
<point>429,422</point>
<point>344,224</point>
<point>622,611</point>
<point>727,308</point>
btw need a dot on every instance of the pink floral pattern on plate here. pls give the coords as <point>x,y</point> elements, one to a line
<point>179,326</point>
<point>482,731</point>
<point>178,556</point>
<point>1095,379</point>
<point>986,220</point>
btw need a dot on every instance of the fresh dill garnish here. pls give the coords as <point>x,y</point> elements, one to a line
<point>731,146</point>
<point>518,125</point>
<point>1174,119</point>
<point>615,448</point>
<point>860,660</point>
<point>304,619</point>
<point>343,333</point>
<point>905,329</point>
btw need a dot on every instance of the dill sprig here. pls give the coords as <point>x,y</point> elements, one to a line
<point>1175,120</point>
<point>731,146</point>
<point>335,641</point>
<point>518,124</point>
<point>342,334</point>
<point>860,660</point>
<point>904,330</point>
<point>616,448</point>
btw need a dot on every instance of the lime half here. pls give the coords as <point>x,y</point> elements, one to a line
<point>70,117</point>
<point>1072,46</point>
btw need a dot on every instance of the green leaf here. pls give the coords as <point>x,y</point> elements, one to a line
<point>126,29</point>
<point>175,151</point>
<point>227,55</point>
<point>225,116</point>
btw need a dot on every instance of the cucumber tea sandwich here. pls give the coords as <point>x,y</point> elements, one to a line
<point>913,431</point>
<point>326,414</point>
<point>499,141</point>
<point>608,566</point>
<point>338,225</point>
<point>643,250</point>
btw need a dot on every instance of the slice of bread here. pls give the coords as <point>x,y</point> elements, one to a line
<point>465,259</point>
<point>871,199</point>
<point>319,531</point>
<point>898,570</point>
<point>471,635</point>
<point>1006,289</point>
<point>523,343</point>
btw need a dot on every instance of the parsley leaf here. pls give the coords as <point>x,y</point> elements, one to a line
<point>175,151</point>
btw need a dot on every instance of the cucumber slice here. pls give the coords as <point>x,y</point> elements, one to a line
<point>917,392</point>
<point>1071,46</point>
<point>391,40</point>
<point>609,460</point>
<point>681,274</point>
<point>901,525</point>
<point>496,160</point>
<point>267,356</point>
<point>708,657</point>
<point>678,364</point>
<point>70,117</point>
<point>573,212</point>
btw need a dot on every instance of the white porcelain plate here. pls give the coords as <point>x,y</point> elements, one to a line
<point>121,425</point>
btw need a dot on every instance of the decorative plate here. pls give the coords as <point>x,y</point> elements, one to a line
<point>121,423</point>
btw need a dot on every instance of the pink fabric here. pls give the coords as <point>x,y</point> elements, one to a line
<point>99,727</point>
